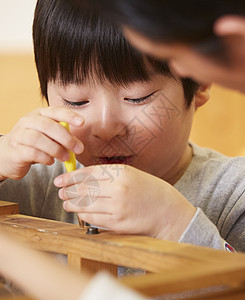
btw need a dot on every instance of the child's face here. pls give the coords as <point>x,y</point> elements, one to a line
<point>146,125</point>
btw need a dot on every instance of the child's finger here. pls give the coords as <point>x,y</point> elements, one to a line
<point>95,173</point>
<point>41,143</point>
<point>62,114</point>
<point>30,154</point>
<point>52,130</point>
<point>84,197</point>
<point>101,220</point>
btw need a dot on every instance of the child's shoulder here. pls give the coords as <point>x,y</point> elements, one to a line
<point>207,155</point>
<point>212,164</point>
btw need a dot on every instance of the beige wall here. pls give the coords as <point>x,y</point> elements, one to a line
<point>220,124</point>
<point>19,90</point>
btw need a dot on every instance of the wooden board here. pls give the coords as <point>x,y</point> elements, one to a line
<point>179,267</point>
<point>127,250</point>
<point>8,208</point>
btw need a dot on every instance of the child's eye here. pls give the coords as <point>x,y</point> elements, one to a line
<point>139,100</point>
<point>75,104</point>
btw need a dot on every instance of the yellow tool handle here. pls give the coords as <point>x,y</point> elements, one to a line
<point>70,164</point>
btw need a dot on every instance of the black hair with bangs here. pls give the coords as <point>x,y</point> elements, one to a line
<point>73,44</point>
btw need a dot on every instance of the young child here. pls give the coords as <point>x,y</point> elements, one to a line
<point>214,159</point>
<point>130,120</point>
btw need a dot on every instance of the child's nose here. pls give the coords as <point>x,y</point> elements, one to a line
<point>110,122</point>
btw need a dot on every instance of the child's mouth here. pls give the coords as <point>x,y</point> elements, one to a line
<point>116,159</point>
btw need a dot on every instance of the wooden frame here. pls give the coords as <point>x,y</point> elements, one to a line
<point>8,208</point>
<point>173,267</point>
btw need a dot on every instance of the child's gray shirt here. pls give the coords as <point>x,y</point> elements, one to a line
<point>215,184</point>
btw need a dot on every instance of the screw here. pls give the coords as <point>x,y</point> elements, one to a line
<point>92,230</point>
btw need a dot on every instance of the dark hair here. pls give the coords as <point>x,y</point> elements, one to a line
<point>72,43</point>
<point>179,21</point>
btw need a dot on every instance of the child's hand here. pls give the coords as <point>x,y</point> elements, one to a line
<point>38,138</point>
<point>126,200</point>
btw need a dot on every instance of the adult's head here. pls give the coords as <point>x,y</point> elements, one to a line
<point>201,39</point>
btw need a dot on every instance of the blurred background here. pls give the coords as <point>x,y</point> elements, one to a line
<point>19,91</point>
<point>220,124</point>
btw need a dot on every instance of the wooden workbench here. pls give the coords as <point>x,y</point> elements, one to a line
<point>171,267</point>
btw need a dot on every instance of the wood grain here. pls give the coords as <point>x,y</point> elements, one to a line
<point>8,208</point>
<point>176,267</point>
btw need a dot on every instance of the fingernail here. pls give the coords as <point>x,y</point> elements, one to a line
<point>78,120</point>
<point>78,148</point>
<point>66,156</point>
<point>57,181</point>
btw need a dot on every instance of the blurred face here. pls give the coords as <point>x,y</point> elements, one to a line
<point>188,63</point>
<point>145,124</point>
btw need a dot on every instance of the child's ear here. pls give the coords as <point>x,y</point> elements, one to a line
<point>230,25</point>
<point>202,95</point>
